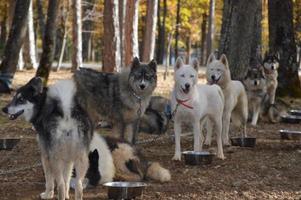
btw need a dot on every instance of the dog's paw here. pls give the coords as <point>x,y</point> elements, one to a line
<point>221,156</point>
<point>177,157</point>
<point>47,195</point>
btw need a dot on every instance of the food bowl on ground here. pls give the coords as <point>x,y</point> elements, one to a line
<point>243,141</point>
<point>8,143</point>
<point>125,190</point>
<point>295,112</point>
<point>292,119</point>
<point>197,157</point>
<point>290,135</point>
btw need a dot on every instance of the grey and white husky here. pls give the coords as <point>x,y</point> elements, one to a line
<point>64,132</point>
<point>271,64</point>
<point>255,83</point>
<point>119,98</point>
<point>236,100</point>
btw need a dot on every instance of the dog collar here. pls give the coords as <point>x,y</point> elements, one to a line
<point>183,103</point>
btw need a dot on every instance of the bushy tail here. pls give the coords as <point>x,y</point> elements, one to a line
<point>156,172</point>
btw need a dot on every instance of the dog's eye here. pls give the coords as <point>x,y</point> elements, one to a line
<point>191,76</point>
<point>21,99</point>
<point>183,75</point>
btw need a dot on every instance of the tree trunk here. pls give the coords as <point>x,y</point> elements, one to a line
<point>188,49</point>
<point>239,28</point>
<point>31,39</point>
<point>41,17</point>
<point>177,28</point>
<point>210,34</point>
<point>48,41</point>
<point>131,32</point>
<point>14,43</point>
<point>3,34</point>
<point>282,40</point>
<point>121,10</point>
<point>111,53</point>
<point>87,28</point>
<point>77,35</point>
<point>203,40</point>
<point>150,31</point>
<point>161,35</point>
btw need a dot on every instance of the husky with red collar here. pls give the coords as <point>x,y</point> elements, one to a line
<point>192,103</point>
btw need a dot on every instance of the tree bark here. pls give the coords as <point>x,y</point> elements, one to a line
<point>203,39</point>
<point>121,10</point>
<point>14,43</point>
<point>87,28</point>
<point>282,40</point>
<point>31,39</point>
<point>161,35</point>
<point>211,22</point>
<point>77,35</point>
<point>41,17</point>
<point>131,32</point>
<point>177,28</point>
<point>111,53</point>
<point>48,41</point>
<point>239,28</point>
<point>150,31</point>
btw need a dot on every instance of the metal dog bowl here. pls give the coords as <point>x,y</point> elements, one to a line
<point>243,141</point>
<point>292,119</point>
<point>295,112</point>
<point>290,135</point>
<point>8,144</point>
<point>125,190</point>
<point>197,157</point>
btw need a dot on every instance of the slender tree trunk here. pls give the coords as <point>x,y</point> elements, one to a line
<point>131,32</point>
<point>282,40</point>
<point>177,28</point>
<point>48,41</point>
<point>240,24</point>
<point>211,21</point>
<point>168,55</point>
<point>3,34</point>
<point>41,17</point>
<point>77,35</point>
<point>31,39</point>
<point>15,40</point>
<point>188,46</point>
<point>111,53</point>
<point>203,39</point>
<point>150,31</point>
<point>121,10</point>
<point>87,28</point>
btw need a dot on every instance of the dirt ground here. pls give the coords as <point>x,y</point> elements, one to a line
<point>271,170</point>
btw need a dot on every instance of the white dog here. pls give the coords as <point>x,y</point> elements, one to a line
<point>236,100</point>
<point>193,103</point>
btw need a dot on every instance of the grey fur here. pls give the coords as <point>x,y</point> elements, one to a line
<point>117,97</point>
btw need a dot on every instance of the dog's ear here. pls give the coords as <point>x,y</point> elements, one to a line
<point>153,64</point>
<point>36,84</point>
<point>179,63</point>
<point>211,58</point>
<point>224,60</point>
<point>136,62</point>
<point>195,64</point>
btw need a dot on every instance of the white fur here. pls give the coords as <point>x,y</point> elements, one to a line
<point>105,165</point>
<point>272,82</point>
<point>206,101</point>
<point>236,101</point>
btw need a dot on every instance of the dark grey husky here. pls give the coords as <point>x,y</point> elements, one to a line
<point>64,132</point>
<point>120,98</point>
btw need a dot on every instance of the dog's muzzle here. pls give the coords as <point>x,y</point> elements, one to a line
<point>12,116</point>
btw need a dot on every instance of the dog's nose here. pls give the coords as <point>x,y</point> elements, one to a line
<point>5,110</point>
<point>213,77</point>
<point>255,83</point>
<point>187,86</point>
<point>272,67</point>
<point>142,86</point>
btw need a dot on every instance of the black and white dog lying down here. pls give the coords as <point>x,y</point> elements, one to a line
<point>113,159</point>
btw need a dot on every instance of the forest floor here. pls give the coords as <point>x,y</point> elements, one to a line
<point>271,170</point>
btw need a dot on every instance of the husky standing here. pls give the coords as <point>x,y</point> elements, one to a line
<point>236,101</point>
<point>255,83</point>
<point>64,132</point>
<point>271,64</point>
<point>120,98</point>
<point>111,158</point>
<point>192,103</point>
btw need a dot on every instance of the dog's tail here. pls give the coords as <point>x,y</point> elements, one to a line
<point>156,172</point>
